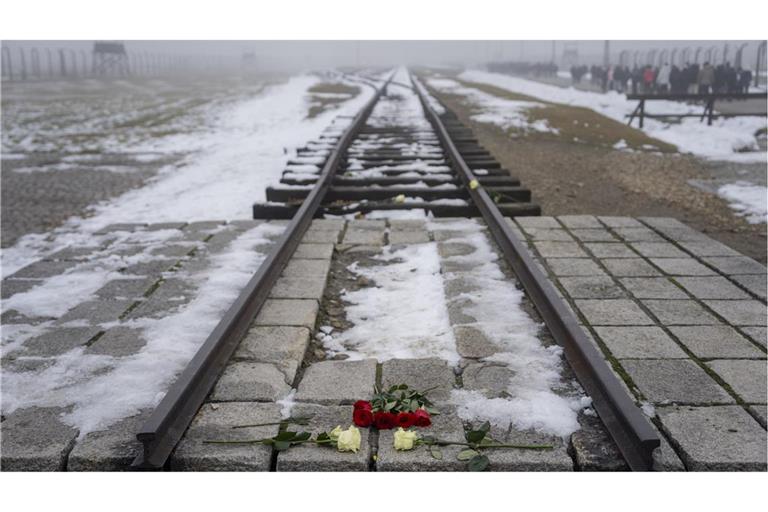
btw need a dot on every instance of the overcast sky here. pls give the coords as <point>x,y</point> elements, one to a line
<point>319,54</point>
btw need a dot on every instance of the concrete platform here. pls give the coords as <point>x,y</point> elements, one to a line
<point>680,317</point>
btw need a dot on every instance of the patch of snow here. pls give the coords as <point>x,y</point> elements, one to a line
<point>747,199</point>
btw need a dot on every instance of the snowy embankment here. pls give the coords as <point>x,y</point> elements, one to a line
<point>227,168</point>
<point>747,199</point>
<point>731,139</point>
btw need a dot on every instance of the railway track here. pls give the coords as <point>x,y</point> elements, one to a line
<point>431,163</point>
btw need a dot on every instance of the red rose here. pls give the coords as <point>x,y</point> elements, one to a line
<point>405,419</point>
<point>362,417</point>
<point>421,418</point>
<point>384,420</point>
<point>363,404</point>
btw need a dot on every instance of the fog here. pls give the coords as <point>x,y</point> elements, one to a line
<point>304,55</point>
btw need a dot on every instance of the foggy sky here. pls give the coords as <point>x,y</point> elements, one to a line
<point>321,54</point>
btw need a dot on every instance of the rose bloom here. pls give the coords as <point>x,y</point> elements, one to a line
<point>334,434</point>
<point>405,419</point>
<point>421,418</point>
<point>363,404</point>
<point>405,439</point>
<point>349,440</point>
<point>362,417</point>
<point>384,420</point>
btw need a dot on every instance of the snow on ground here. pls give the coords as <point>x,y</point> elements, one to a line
<point>226,170</point>
<point>532,400</point>
<point>730,139</point>
<point>93,385</point>
<point>404,316</point>
<point>747,199</point>
<point>501,112</point>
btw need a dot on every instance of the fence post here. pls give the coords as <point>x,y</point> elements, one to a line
<point>642,113</point>
<point>7,63</point>
<point>62,63</point>
<point>23,64</point>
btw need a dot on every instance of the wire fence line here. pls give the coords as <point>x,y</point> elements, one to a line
<point>21,64</point>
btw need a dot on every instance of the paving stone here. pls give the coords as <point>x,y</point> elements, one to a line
<point>593,235</point>
<point>664,457</point>
<point>215,422</point>
<point>307,268</point>
<point>760,411</point>
<point>458,311</point>
<point>639,343</point>
<point>715,341</point>
<point>721,438</point>
<point>166,225</point>
<point>490,378</point>
<point>662,223</point>
<point>290,312</point>
<point>619,222</point>
<point>708,248</point>
<point>168,297</point>
<point>714,287</point>
<point>445,426</point>
<point>563,267</point>
<point>408,237</point>
<point>653,288</point>
<point>337,382</point>
<point>369,224</point>
<point>549,235</point>
<point>316,236</point>
<point>96,311</point>
<point>328,224</point>
<point>560,249</point>
<point>629,267</point>
<point>125,226</point>
<point>409,224</point>
<point>740,312</point>
<point>59,340</point>
<point>450,249</point>
<point>472,343</point>
<point>173,250</point>
<point>205,225</point>
<point>152,268</point>
<point>610,250</point>
<point>537,222</point>
<point>246,381</point>
<point>682,267</point>
<point>638,234</point>
<point>11,287</point>
<point>612,312</point>
<point>759,334</point>
<point>591,287</point>
<point>658,250</point>
<point>755,284</point>
<point>118,341</point>
<point>282,346</point>
<point>736,265</point>
<point>35,439</point>
<point>298,288</point>
<point>125,288</point>
<point>422,374</point>
<point>459,284</point>
<point>73,253</point>
<point>12,316</point>
<point>674,381</point>
<point>556,459</point>
<point>364,236</point>
<point>593,449</point>
<point>314,252</point>
<point>113,449</point>
<point>324,458</point>
<point>746,377</point>
<point>43,269</point>
<point>579,221</point>
<point>680,312</point>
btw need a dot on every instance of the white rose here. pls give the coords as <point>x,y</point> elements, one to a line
<point>405,439</point>
<point>349,440</point>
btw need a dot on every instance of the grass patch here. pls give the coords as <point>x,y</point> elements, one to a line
<point>579,124</point>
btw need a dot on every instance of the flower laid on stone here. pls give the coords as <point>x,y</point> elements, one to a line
<point>344,440</point>
<point>476,441</point>
<point>398,406</point>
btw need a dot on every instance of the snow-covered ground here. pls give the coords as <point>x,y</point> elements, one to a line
<point>228,165</point>
<point>731,139</point>
<point>747,199</point>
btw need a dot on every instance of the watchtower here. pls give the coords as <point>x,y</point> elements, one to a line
<point>109,58</point>
<point>570,55</point>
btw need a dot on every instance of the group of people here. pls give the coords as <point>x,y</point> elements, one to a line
<point>690,78</point>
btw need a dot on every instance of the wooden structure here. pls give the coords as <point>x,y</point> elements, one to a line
<point>707,99</point>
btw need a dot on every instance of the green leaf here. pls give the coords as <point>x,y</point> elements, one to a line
<point>475,436</point>
<point>428,439</point>
<point>485,427</point>
<point>467,454</point>
<point>435,452</point>
<point>285,436</point>
<point>282,445</point>
<point>302,436</point>
<point>478,463</point>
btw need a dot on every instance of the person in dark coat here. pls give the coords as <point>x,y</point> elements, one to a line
<point>745,79</point>
<point>675,80</point>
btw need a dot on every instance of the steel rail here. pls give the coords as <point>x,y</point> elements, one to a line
<point>164,428</point>
<point>626,424</point>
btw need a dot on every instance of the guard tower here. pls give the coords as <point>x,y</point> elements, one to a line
<point>109,58</point>
<point>570,55</point>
